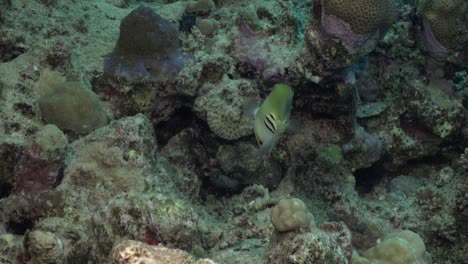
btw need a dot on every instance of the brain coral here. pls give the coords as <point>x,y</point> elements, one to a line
<point>147,48</point>
<point>290,214</point>
<point>448,21</point>
<point>221,106</point>
<point>364,16</point>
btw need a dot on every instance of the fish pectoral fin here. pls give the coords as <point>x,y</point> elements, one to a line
<point>250,106</point>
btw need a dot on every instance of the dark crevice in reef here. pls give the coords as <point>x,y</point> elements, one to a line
<point>20,226</point>
<point>416,129</point>
<point>7,161</point>
<point>437,161</point>
<point>10,52</point>
<point>368,178</point>
<point>5,189</point>
<point>180,119</point>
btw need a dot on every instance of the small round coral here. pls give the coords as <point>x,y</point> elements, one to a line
<point>402,247</point>
<point>290,214</point>
<point>364,16</point>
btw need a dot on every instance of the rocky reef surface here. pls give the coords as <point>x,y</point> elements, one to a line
<point>123,137</point>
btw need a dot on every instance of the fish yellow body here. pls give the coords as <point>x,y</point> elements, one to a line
<point>272,117</point>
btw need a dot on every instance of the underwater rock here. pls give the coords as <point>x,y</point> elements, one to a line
<point>220,105</point>
<point>147,48</point>
<point>119,3</point>
<point>435,109</point>
<point>328,107</point>
<point>268,59</point>
<point>330,243</point>
<point>134,252</point>
<point>154,217</point>
<point>364,149</point>
<point>371,109</point>
<point>60,55</point>
<point>10,247</point>
<point>104,159</point>
<point>19,113</point>
<point>74,235</point>
<point>241,165</point>
<point>41,164</point>
<point>186,151</point>
<point>44,247</point>
<point>406,184</point>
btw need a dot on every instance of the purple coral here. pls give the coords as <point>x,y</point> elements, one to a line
<point>433,46</point>
<point>332,26</point>
<point>147,48</point>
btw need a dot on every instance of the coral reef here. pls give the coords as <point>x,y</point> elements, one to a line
<point>123,137</point>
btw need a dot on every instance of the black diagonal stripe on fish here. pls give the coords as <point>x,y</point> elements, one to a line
<point>270,123</point>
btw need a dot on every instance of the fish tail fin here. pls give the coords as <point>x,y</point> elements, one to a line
<point>293,126</point>
<point>267,147</point>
